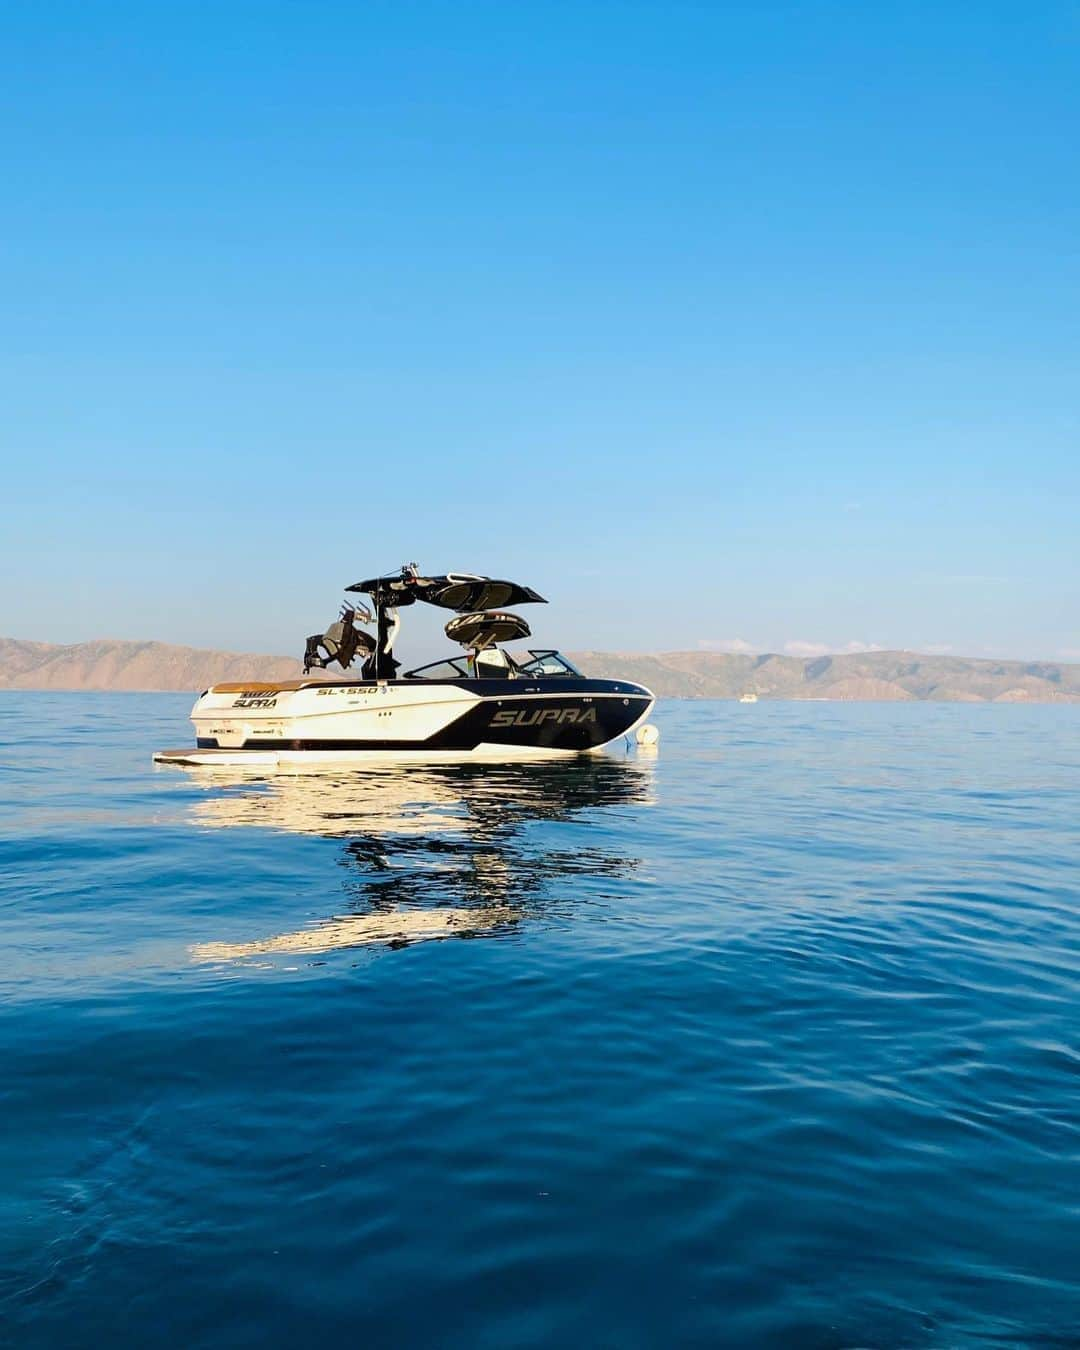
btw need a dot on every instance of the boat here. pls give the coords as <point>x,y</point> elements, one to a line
<point>748,698</point>
<point>488,701</point>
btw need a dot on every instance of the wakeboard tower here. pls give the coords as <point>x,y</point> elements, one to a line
<point>488,701</point>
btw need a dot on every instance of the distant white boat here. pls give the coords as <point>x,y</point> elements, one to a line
<point>748,698</point>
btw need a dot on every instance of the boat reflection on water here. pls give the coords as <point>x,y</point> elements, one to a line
<point>451,850</point>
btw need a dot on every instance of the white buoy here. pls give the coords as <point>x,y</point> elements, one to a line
<point>648,734</point>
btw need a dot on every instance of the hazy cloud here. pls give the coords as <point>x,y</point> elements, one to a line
<point>737,645</point>
<point>800,647</point>
<point>797,647</point>
<point>1070,653</point>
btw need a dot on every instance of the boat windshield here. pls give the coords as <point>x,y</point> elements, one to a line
<point>546,663</point>
<point>454,668</point>
<point>512,665</point>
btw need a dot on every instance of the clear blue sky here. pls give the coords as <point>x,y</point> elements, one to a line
<point>716,323</point>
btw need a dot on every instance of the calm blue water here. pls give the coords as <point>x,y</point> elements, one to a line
<point>768,1039</point>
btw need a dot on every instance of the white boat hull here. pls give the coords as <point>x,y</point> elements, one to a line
<point>297,722</point>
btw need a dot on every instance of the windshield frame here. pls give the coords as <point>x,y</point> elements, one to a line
<point>519,668</point>
<point>458,663</point>
<point>540,654</point>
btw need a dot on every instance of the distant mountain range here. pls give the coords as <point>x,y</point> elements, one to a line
<point>108,664</point>
<point>888,676</point>
<point>867,676</point>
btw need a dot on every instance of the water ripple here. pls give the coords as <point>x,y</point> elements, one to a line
<point>769,1038</point>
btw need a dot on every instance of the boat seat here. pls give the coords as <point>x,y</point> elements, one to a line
<point>493,664</point>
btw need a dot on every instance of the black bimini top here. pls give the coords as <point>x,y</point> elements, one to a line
<point>459,591</point>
